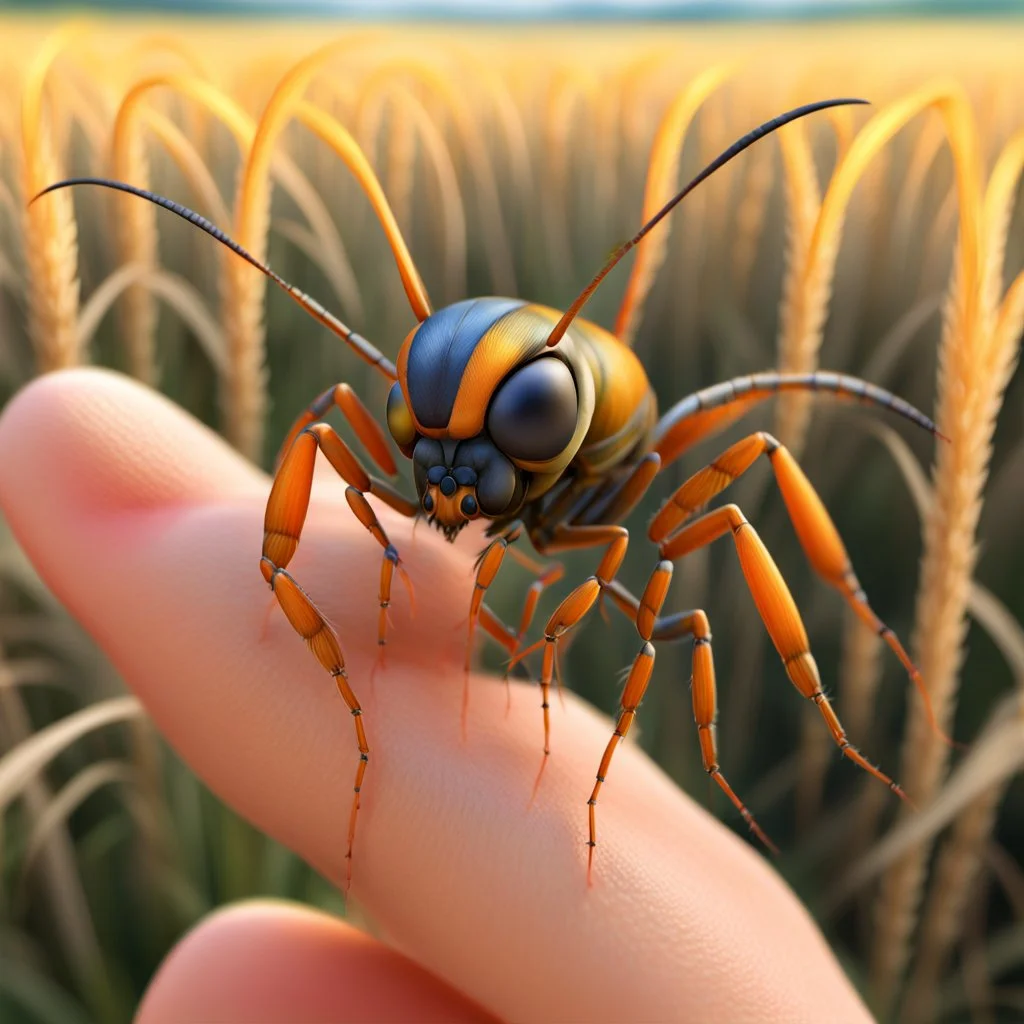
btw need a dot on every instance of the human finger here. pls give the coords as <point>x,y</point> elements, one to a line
<point>451,859</point>
<point>266,962</point>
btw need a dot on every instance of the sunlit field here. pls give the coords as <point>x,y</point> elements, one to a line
<point>883,241</point>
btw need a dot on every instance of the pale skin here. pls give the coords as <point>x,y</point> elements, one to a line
<point>148,528</point>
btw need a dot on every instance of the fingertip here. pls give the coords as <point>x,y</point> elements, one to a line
<point>267,961</point>
<point>90,438</point>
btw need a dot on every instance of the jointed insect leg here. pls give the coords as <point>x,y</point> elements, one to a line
<point>496,629</point>
<point>359,418</point>
<point>636,686</point>
<point>777,610</point>
<point>488,563</point>
<point>815,530</point>
<point>307,621</point>
<point>573,609</point>
<point>653,628</point>
<point>289,503</point>
<point>285,516</point>
<point>547,576</point>
<point>487,567</point>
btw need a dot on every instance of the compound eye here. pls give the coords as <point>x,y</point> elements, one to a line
<point>400,423</point>
<point>533,414</point>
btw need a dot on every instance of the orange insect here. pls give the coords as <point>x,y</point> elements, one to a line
<point>546,424</point>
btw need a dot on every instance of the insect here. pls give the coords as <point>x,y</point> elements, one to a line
<point>546,425</point>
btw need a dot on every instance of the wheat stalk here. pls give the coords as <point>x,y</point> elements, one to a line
<point>962,855</point>
<point>244,396</point>
<point>49,230</point>
<point>750,216</point>
<point>569,89</point>
<point>453,234</point>
<point>975,362</point>
<point>399,168</point>
<point>666,151</point>
<point>135,230</point>
<point>20,776</point>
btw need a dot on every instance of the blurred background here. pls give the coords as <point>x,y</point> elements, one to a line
<point>885,241</point>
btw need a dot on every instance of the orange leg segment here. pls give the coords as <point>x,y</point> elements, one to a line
<point>705,711</point>
<point>645,612</point>
<point>286,512</point>
<point>307,621</point>
<point>367,429</point>
<point>487,567</point>
<point>633,693</point>
<point>496,629</point>
<point>289,503</point>
<point>778,611</point>
<point>482,615</point>
<point>815,530</point>
<point>574,608</point>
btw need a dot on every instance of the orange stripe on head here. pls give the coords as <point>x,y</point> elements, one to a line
<point>509,343</point>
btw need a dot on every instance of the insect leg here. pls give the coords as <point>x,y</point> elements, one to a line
<point>633,692</point>
<point>285,516</point>
<point>496,629</point>
<point>815,530</point>
<point>778,611</point>
<point>308,622</point>
<point>655,629</point>
<point>289,503</point>
<point>366,428</point>
<point>704,413</point>
<point>487,567</point>
<point>547,576</point>
<point>507,637</point>
<point>573,609</point>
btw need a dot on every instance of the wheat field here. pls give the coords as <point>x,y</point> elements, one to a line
<point>885,241</point>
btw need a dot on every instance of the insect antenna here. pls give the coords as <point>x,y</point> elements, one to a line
<point>356,342</point>
<point>723,158</point>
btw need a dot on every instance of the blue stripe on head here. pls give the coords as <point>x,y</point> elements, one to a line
<point>440,351</point>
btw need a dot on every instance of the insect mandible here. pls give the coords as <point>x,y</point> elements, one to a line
<point>544,424</point>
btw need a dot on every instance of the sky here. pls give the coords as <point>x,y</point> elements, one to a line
<point>484,9</point>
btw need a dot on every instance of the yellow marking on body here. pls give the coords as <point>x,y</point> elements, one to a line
<point>621,384</point>
<point>505,346</point>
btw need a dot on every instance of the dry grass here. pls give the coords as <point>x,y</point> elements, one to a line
<point>977,354</point>
<point>51,245</point>
<point>836,244</point>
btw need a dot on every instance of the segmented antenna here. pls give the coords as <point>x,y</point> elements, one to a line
<point>356,342</point>
<point>734,150</point>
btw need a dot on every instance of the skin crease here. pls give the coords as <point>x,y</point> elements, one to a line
<point>148,527</point>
